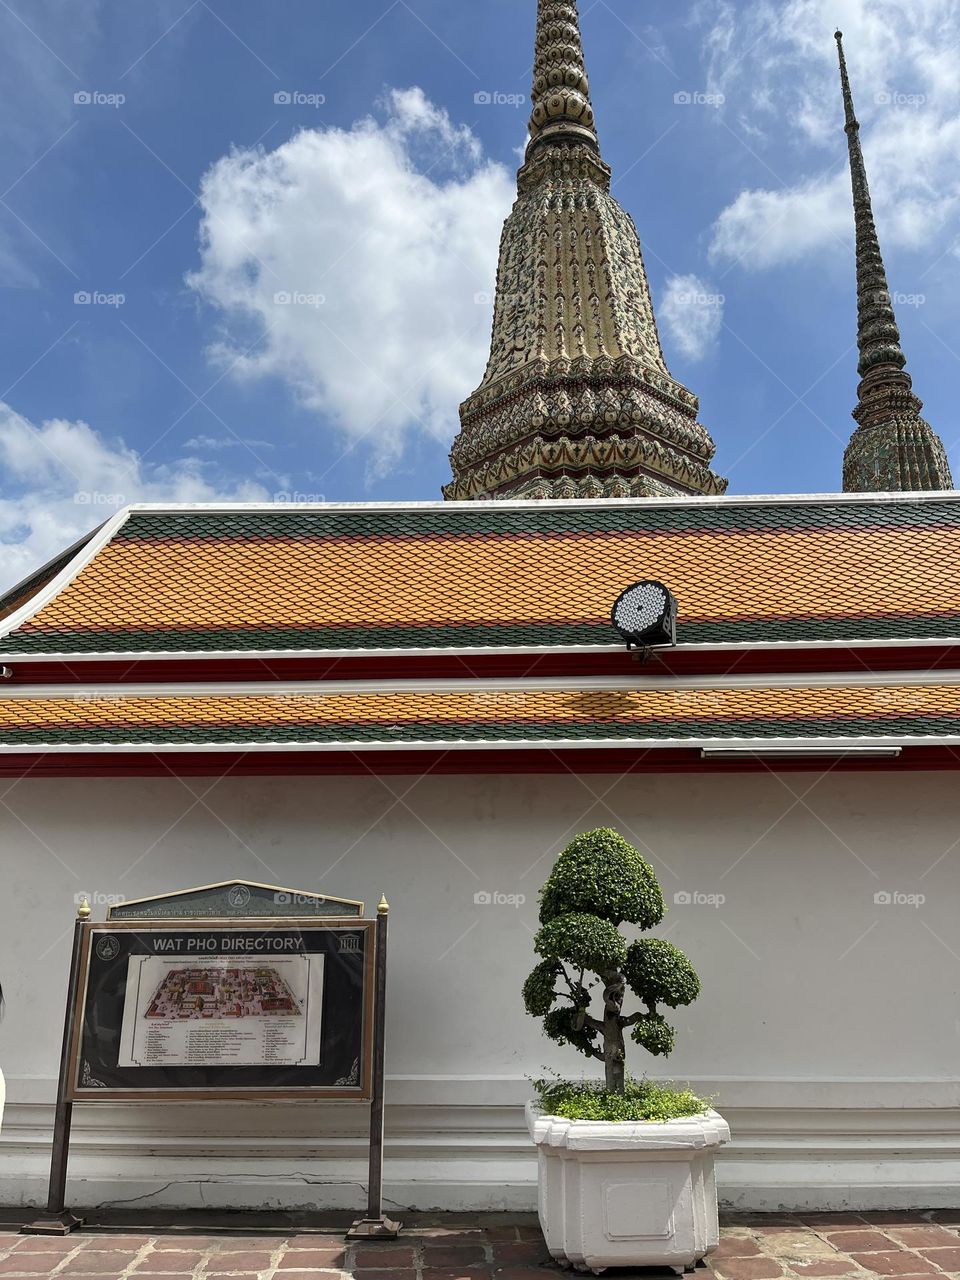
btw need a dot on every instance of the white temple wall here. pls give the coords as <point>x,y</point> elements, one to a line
<point>829,1025</point>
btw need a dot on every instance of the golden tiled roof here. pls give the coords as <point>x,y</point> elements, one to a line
<point>494,575</point>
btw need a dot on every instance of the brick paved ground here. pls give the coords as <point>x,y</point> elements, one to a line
<point>495,1247</point>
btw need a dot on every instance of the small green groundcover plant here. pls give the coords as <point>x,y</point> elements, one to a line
<point>640,1100</point>
<point>599,883</point>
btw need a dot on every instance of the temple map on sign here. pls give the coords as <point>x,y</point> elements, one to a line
<point>222,1011</point>
<point>200,993</point>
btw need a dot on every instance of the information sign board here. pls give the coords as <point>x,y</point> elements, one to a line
<point>212,1009</point>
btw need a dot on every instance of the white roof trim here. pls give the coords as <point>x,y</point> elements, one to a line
<point>759,745</point>
<point>565,504</point>
<point>526,685</point>
<point>706,646</point>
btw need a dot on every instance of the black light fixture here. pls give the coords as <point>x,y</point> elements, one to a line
<point>646,615</point>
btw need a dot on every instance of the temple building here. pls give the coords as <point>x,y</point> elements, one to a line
<point>428,700</point>
<point>577,400</point>
<point>893,448</point>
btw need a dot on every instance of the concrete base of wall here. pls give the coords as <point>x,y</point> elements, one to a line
<point>444,1153</point>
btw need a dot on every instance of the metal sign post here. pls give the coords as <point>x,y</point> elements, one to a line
<point>376,1225</point>
<point>58,1220</point>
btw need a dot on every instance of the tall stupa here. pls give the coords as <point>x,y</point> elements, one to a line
<point>893,447</point>
<point>577,400</point>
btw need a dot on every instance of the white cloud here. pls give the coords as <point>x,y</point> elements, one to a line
<point>216,443</point>
<point>767,228</point>
<point>61,479</point>
<point>376,241</point>
<point>777,67</point>
<point>692,315</point>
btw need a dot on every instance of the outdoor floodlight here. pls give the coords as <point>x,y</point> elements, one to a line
<point>646,615</point>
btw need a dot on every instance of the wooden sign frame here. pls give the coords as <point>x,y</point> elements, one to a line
<point>74,1086</point>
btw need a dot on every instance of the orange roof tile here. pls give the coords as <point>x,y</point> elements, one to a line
<point>462,716</point>
<point>501,575</point>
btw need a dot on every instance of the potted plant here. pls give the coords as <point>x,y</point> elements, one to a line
<point>625,1167</point>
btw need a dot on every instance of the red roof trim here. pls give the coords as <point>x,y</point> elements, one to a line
<point>250,764</point>
<point>239,670</point>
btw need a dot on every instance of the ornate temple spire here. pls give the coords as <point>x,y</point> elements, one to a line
<point>577,400</point>
<point>893,448</point>
<point>561,90</point>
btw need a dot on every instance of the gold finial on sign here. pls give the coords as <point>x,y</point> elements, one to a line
<point>383,906</point>
<point>83,911</point>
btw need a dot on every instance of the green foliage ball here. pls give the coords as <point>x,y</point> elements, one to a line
<point>539,989</point>
<point>659,973</point>
<point>654,1034</point>
<point>600,874</point>
<point>584,941</point>
<point>561,1025</point>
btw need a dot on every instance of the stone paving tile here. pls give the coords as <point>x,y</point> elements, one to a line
<point>759,1268</point>
<point>235,1261</point>
<point>252,1275</point>
<point>242,1244</point>
<point>398,1275</point>
<point>460,1255</point>
<point>377,1257</point>
<point>837,1266</point>
<point>168,1260</point>
<point>928,1237</point>
<point>93,1258</point>
<point>901,1263</point>
<point>848,1246</point>
<point>446,1235</point>
<point>798,1246</point>
<point>307,1275</point>
<point>946,1259</point>
<point>328,1259</point>
<point>860,1241</point>
<point>38,1263</point>
<point>44,1244</point>
<point>763,1222</point>
<point>736,1246</point>
<point>891,1217</point>
<point>176,1241</point>
<point>521,1251</point>
<point>834,1220</point>
<point>454,1273</point>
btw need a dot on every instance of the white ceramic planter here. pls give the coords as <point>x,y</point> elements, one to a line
<point>628,1194</point>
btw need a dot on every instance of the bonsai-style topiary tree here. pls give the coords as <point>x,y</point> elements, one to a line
<point>598,883</point>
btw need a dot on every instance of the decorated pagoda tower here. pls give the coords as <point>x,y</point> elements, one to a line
<point>893,448</point>
<point>577,400</point>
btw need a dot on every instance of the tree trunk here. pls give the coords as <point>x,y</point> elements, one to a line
<point>613,1048</point>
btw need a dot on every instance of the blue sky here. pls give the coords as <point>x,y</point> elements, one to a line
<point>190,201</point>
